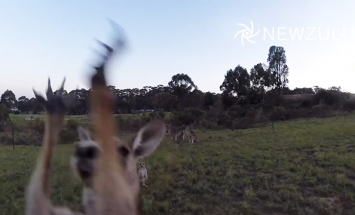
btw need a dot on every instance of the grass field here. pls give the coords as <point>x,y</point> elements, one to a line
<point>303,167</point>
<point>20,119</point>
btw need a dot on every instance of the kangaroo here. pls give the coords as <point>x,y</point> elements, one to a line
<point>38,190</point>
<point>115,184</point>
<point>142,172</point>
<point>190,134</point>
<point>175,133</point>
<point>193,137</point>
<point>84,163</point>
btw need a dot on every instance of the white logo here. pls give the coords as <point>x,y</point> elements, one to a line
<point>297,33</point>
<point>247,33</point>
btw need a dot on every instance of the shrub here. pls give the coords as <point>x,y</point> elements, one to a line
<point>69,132</point>
<point>37,125</point>
<point>196,112</point>
<point>306,103</point>
<point>27,139</point>
<point>131,123</point>
<point>329,97</point>
<point>302,113</point>
<point>5,140</point>
<point>243,123</point>
<point>237,111</point>
<point>258,116</point>
<point>322,111</point>
<point>320,107</point>
<point>187,117</point>
<point>279,113</point>
<point>205,124</point>
<point>225,120</point>
<point>72,124</point>
<point>349,106</point>
<point>161,115</point>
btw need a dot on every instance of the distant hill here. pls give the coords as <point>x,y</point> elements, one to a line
<point>309,96</point>
<point>297,96</point>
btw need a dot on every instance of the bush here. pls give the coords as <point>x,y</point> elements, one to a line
<point>131,123</point>
<point>271,99</point>
<point>72,124</point>
<point>183,118</point>
<point>225,120</point>
<point>321,107</point>
<point>259,116</point>
<point>196,112</point>
<point>28,139</point>
<point>302,113</point>
<point>69,133</point>
<point>5,140</point>
<point>243,123</point>
<point>306,103</point>
<point>205,124</point>
<point>187,117</point>
<point>329,97</point>
<point>37,125</point>
<point>237,111</point>
<point>161,115</point>
<point>242,100</point>
<point>279,113</point>
<point>322,111</point>
<point>349,106</point>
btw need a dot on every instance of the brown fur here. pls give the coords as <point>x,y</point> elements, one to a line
<point>38,191</point>
<point>84,161</point>
<point>113,195</point>
<point>114,182</point>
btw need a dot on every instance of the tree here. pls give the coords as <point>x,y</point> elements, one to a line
<point>164,99</point>
<point>256,95</point>
<point>82,100</point>
<point>4,114</point>
<point>260,77</point>
<point>209,99</point>
<point>181,85</point>
<point>227,100</point>
<point>335,89</point>
<point>8,98</point>
<point>278,68</point>
<point>303,90</point>
<point>195,99</point>
<point>35,106</point>
<point>316,89</point>
<point>23,104</point>
<point>237,82</point>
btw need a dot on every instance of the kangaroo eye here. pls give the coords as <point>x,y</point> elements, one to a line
<point>123,151</point>
<point>91,152</point>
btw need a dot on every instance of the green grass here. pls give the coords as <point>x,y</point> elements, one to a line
<point>303,167</point>
<point>20,118</point>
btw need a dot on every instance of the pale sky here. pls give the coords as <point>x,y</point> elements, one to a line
<point>197,37</point>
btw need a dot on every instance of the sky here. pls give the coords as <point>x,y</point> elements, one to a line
<point>41,39</point>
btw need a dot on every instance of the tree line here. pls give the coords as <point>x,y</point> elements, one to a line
<point>266,83</point>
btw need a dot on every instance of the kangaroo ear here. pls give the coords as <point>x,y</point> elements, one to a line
<point>84,135</point>
<point>148,138</point>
